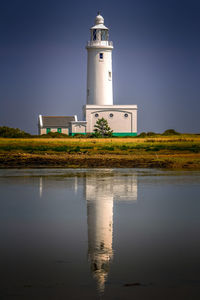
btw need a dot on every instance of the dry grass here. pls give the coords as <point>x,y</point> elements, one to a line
<point>181,151</point>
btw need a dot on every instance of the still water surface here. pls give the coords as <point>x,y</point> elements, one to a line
<point>99,234</point>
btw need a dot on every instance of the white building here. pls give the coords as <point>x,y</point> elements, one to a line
<point>122,119</point>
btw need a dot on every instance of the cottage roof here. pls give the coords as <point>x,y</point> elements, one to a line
<point>57,121</point>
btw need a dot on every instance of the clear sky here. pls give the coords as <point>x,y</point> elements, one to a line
<point>156,60</point>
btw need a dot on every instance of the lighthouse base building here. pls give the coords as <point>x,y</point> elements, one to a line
<point>122,119</point>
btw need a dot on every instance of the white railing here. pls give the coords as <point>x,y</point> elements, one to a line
<point>99,43</point>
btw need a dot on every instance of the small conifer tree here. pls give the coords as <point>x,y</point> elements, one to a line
<point>102,129</point>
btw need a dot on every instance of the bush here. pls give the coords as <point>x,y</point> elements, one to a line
<point>150,133</point>
<point>8,132</point>
<point>170,132</point>
<point>54,135</point>
<point>83,136</point>
<point>89,135</point>
<point>142,134</point>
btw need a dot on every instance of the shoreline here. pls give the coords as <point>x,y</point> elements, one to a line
<point>26,160</point>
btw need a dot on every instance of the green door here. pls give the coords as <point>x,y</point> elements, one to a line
<point>48,130</point>
<point>59,130</point>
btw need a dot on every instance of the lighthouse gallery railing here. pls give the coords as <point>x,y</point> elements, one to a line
<point>99,43</point>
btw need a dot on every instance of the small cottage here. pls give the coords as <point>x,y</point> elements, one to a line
<point>59,124</point>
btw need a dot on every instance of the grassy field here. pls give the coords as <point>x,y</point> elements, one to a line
<point>180,151</point>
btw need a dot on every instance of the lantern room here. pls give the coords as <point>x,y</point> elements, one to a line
<point>99,32</point>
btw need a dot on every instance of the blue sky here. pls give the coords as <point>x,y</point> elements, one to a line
<point>156,60</point>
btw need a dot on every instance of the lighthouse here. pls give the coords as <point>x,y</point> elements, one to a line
<point>122,119</point>
<point>99,65</point>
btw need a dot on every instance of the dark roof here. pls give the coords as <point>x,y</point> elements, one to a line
<point>57,121</point>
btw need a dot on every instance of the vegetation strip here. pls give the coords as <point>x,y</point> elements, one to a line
<point>181,151</point>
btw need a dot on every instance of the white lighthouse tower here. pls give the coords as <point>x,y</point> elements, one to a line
<point>122,119</point>
<point>99,65</point>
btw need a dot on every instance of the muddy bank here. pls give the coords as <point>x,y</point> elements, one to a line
<point>25,160</point>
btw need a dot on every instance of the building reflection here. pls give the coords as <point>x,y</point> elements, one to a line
<point>101,190</point>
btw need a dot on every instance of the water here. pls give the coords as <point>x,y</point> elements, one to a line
<point>99,234</point>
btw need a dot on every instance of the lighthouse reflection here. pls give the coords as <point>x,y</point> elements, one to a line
<point>101,191</point>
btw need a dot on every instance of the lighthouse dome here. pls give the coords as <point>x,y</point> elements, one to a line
<point>99,23</point>
<point>99,19</point>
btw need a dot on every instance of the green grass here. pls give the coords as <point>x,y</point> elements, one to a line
<point>180,144</point>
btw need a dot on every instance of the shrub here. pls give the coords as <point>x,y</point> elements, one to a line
<point>150,133</point>
<point>54,135</point>
<point>89,135</point>
<point>170,132</point>
<point>8,132</point>
<point>79,135</point>
<point>142,134</point>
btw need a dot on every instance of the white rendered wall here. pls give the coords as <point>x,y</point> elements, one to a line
<point>118,123</point>
<point>99,81</point>
<point>42,131</point>
<point>63,130</point>
<point>78,127</point>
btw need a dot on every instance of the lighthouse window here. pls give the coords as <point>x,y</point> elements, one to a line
<point>101,55</point>
<point>96,115</point>
<point>109,75</point>
<point>126,115</point>
<point>111,115</point>
<point>94,35</point>
<point>103,35</point>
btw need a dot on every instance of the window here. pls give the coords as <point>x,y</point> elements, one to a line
<point>96,115</point>
<point>101,55</point>
<point>109,75</point>
<point>59,130</point>
<point>94,37</point>
<point>104,35</point>
<point>126,115</point>
<point>48,130</point>
<point>111,115</point>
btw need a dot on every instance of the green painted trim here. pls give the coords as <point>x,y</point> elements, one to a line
<point>74,133</point>
<point>114,133</point>
<point>59,130</point>
<point>48,130</point>
<point>124,134</point>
